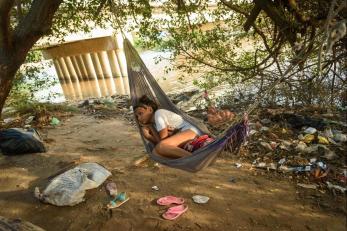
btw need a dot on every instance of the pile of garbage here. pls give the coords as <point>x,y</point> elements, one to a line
<point>108,107</point>
<point>318,155</point>
<point>308,142</point>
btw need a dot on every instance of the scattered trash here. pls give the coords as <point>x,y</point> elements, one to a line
<point>265,121</point>
<point>267,146</point>
<point>328,133</point>
<point>310,130</point>
<point>323,140</point>
<point>140,160</point>
<point>313,160</point>
<point>261,165</point>
<point>29,120</point>
<point>155,188</point>
<point>264,129</point>
<point>336,187</point>
<point>308,186</point>
<point>296,169</point>
<point>55,121</point>
<point>282,161</point>
<point>68,188</point>
<point>309,138</point>
<point>7,224</point>
<point>339,137</point>
<point>199,199</point>
<point>9,120</point>
<point>111,189</point>
<point>322,165</point>
<point>16,141</point>
<point>232,179</point>
<point>238,165</point>
<point>329,155</point>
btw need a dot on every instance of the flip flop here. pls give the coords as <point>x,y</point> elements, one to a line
<point>168,200</point>
<point>118,201</point>
<point>174,212</point>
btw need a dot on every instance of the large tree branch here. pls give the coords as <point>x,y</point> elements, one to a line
<point>5,8</point>
<point>287,28</point>
<point>252,17</point>
<point>36,23</point>
<point>19,10</point>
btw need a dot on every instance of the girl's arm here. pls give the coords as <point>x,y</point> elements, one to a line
<point>150,134</point>
<point>154,134</point>
<point>163,134</point>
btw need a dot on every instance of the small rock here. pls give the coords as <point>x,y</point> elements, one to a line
<point>155,188</point>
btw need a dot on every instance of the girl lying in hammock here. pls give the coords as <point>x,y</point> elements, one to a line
<point>168,130</point>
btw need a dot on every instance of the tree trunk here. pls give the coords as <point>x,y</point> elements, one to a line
<point>15,44</point>
<point>6,78</point>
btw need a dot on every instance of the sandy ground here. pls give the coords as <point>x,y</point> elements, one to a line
<point>255,201</point>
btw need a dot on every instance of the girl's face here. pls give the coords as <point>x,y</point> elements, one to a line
<point>144,114</point>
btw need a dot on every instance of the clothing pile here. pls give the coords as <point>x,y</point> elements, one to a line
<point>198,142</point>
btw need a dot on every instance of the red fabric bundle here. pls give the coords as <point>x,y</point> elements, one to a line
<point>198,142</point>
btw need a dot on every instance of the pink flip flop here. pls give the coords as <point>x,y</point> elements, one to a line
<point>168,200</point>
<point>174,212</point>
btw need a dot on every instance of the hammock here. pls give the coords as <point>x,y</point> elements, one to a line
<point>141,82</point>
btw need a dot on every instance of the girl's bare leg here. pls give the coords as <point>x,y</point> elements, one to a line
<point>170,147</point>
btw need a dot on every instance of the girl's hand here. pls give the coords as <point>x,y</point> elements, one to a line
<point>146,132</point>
<point>171,130</point>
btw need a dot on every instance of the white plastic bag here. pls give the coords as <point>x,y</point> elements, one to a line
<point>69,187</point>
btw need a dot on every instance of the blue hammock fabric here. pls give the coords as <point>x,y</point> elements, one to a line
<point>16,141</point>
<point>141,82</point>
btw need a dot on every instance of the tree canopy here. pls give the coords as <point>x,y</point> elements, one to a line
<point>248,42</point>
<point>254,42</point>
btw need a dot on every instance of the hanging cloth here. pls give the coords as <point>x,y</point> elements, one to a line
<point>141,82</point>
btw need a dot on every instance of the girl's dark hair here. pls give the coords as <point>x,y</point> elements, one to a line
<point>145,101</point>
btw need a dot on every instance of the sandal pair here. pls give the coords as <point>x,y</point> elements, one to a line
<point>175,211</point>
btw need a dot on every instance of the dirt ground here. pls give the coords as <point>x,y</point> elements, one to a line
<point>255,201</point>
